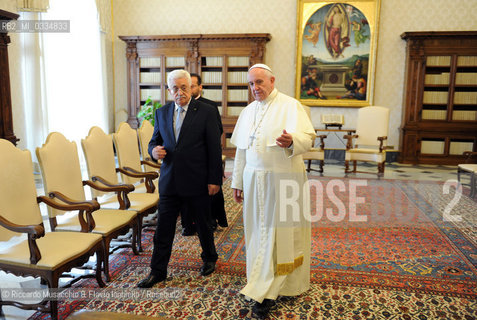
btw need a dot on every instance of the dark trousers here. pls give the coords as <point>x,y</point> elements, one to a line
<point>217,212</point>
<point>198,208</point>
<point>217,208</point>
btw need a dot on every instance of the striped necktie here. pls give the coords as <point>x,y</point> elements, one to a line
<point>179,120</point>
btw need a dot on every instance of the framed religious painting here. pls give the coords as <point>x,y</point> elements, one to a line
<point>336,57</point>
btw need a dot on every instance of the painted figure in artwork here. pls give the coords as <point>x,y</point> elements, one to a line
<point>337,25</point>
<point>336,48</point>
<point>310,84</point>
<point>359,36</point>
<point>315,29</point>
<point>356,89</point>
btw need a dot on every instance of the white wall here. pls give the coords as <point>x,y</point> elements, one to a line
<point>277,17</point>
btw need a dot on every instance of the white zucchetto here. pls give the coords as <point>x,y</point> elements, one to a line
<point>261,66</point>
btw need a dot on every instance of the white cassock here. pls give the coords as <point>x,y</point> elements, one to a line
<point>278,248</point>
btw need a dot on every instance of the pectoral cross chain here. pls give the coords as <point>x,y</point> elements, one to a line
<point>252,137</point>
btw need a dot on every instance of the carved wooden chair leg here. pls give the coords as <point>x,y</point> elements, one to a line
<point>381,168</point>
<point>355,163</point>
<point>99,262</point>
<point>322,163</point>
<point>53,279</point>
<point>139,234</point>
<point>2,315</point>
<point>346,166</point>
<point>134,238</point>
<point>309,166</point>
<point>106,259</point>
<point>473,184</point>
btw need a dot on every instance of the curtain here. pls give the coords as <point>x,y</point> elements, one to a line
<point>103,13</point>
<point>33,5</point>
<point>73,70</point>
<point>63,87</point>
<point>33,101</point>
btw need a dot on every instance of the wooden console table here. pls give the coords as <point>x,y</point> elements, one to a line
<point>335,132</point>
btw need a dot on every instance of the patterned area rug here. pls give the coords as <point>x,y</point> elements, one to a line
<point>414,257</point>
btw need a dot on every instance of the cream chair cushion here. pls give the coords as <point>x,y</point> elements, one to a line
<point>127,150</point>
<point>17,189</point>
<point>365,155</point>
<point>468,167</point>
<point>61,171</point>
<point>145,133</point>
<point>107,221</point>
<point>58,159</point>
<point>314,153</point>
<point>373,122</point>
<point>56,248</point>
<point>139,201</point>
<point>99,154</point>
<point>18,204</point>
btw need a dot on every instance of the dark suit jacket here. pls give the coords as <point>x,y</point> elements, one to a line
<point>195,160</point>
<point>214,104</point>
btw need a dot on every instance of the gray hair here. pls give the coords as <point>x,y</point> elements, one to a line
<point>178,74</point>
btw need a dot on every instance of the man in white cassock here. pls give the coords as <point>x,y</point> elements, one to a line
<point>269,177</point>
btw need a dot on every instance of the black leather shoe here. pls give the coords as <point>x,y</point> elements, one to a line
<point>188,232</point>
<point>207,268</point>
<point>151,280</point>
<point>261,310</point>
<point>214,225</point>
<point>223,224</point>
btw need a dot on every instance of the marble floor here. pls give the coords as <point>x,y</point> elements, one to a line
<point>332,168</point>
<point>394,170</point>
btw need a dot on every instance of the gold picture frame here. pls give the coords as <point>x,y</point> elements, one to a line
<point>336,52</point>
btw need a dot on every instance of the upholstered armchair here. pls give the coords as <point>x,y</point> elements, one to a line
<point>127,150</point>
<point>62,180</point>
<point>25,248</point>
<point>315,153</point>
<point>369,140</point>
<point>469,168</point>
<point>144,133</point>
<point>101,164</point>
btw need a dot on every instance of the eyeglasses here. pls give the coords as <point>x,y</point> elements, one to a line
<point>177,89</point>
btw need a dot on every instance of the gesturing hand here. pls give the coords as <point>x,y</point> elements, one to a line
<point>238,195</point>
<point>159,152</point>
<point>285,140</point>
<point>213,189</point>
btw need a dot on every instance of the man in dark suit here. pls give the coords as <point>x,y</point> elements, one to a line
<point>187,139</point>
<point>217,201</point>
